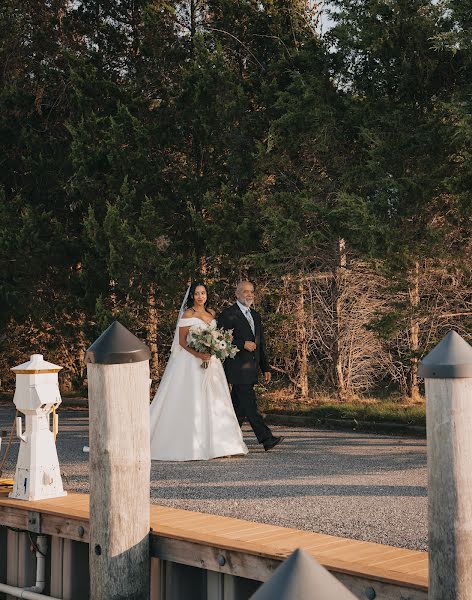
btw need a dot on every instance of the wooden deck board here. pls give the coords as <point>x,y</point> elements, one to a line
<point>255,534</point>
<point>398,562</point>
<point>423,571</point>
<point>365,559</point>
<point>188,521</point>
<point>349,552</point>
<point>246,527</point>
<point>368,554</point>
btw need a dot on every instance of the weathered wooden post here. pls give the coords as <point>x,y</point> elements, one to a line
<point>301,577</point>
<point>118,383</point>
<point>447,370</point>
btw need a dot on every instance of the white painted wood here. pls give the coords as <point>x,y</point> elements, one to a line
<point>449,433</point>
<point>119,480</point>
<point>37,475</point>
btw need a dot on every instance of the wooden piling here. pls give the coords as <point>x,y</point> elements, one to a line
<point>118,383</point>
<point>448,378</point>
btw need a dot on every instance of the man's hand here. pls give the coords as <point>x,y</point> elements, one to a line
<point>250,346</point>
<point>267,377</point>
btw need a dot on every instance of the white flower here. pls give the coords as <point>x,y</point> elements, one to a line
<point>222,345</point>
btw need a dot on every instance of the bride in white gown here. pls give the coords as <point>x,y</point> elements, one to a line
<point>192,416</point>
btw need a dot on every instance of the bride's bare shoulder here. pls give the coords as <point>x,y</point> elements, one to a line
<point>188,314</point>
<point>211,311</point>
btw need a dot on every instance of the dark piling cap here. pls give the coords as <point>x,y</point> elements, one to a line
<point>301,577</point>
<point>450,359</point>
<point>115,346</point>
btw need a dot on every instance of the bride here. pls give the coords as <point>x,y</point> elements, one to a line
<point>192,416</point>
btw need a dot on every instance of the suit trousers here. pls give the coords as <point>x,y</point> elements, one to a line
<point>245,407</point>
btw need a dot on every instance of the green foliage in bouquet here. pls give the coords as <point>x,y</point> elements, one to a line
<point>214,341</point>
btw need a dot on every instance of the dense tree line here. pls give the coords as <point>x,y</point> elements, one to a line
<point>146,142</point>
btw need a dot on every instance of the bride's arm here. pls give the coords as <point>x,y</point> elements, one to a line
<point>227,322</point>
<point>183,332</point>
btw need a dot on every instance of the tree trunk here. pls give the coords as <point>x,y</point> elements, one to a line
<point>338,280</point>
<point>82,346</point>
<point>113,299</point>
<point>414,294</point>
<point>302,342</point>
<point>152,330</point>
<point>193,24</point>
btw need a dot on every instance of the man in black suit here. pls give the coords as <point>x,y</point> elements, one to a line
<point>242,371</point>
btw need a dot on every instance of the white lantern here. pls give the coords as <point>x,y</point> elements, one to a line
<point>37,396</point>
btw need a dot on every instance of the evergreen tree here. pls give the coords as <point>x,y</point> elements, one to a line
<point>399,81</point>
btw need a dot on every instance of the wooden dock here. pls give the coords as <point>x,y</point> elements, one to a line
<point>236,548</point>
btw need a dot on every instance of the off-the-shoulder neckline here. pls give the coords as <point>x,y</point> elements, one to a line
<point>198,319</point>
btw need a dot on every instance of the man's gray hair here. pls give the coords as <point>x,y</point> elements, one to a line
<point>241,282</point>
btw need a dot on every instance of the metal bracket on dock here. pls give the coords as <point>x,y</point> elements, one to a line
<point>34,521</point>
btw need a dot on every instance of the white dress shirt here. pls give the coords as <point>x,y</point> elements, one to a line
<point>247,313</point>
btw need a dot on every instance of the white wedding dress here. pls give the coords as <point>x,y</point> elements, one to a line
<point>192,416</point>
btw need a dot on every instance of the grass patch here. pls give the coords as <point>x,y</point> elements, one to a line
<point>384,412</point>
<point>369,409</point>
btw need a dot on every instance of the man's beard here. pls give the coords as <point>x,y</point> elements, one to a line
<point>247,303</point>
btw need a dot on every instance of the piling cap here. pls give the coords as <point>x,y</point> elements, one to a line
<point>117,345</point>
<point>35,366</point>
<point>450,359</point>
<point>301,577</point>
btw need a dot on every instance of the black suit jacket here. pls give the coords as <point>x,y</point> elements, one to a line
<point>244,367</point>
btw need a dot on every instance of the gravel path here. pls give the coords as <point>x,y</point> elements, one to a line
<point>363,486</point>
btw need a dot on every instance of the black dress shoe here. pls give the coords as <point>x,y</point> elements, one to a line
<point>272,442</point>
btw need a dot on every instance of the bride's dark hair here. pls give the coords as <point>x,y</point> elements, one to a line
<point>191,294</point>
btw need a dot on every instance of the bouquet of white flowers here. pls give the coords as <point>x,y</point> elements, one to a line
<point>211,340</point>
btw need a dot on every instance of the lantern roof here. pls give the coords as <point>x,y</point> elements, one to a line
<point>36,365</point>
